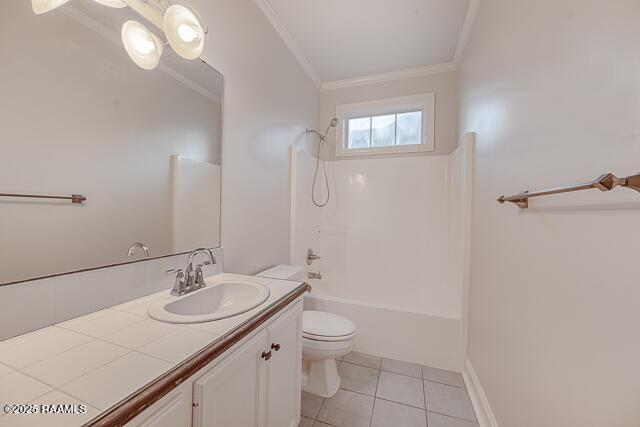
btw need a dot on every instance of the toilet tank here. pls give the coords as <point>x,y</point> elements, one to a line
<point>284,272</point>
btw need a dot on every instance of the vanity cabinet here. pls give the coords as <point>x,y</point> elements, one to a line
<point>230,394</point>
<point>256,383</point>
<point>284,371</point>
<point>173,410</point>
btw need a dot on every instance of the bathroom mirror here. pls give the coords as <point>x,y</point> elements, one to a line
<point>78,117</point>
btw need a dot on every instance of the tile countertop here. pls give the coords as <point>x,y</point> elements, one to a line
<point>103,357</point>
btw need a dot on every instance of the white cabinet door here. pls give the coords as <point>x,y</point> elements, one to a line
<point>173,410</point>
<point>232,393</point>
<point>283,396</point>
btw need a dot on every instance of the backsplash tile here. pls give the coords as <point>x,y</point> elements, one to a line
<point>83,293</point>
<point>25,307</point>
<point>29,306</point>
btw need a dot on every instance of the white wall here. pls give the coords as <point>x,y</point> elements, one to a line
<point>552,89</point>
<point>269,101</point>
<point>443,84</point>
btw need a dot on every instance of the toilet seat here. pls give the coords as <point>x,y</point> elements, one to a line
<point>326,327</point>
<point>328,339</point>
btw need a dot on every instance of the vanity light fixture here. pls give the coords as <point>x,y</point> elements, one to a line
<point>44,6</point>
<point>184,31</point>
<point>144,47</point>
<point>118,4</point>
<point>183,28</point>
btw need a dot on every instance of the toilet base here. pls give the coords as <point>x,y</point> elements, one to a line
<point>320,377</point>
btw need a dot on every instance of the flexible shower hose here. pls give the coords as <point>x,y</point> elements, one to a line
<point>315,178</point>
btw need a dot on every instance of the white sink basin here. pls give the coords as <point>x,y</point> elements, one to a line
<point>216,301</point>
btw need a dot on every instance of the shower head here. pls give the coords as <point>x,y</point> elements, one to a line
<point>332,124</point>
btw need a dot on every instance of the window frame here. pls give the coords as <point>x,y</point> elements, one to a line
<point>424,102</point>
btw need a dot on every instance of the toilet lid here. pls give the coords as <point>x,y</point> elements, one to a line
<point>323,326</point>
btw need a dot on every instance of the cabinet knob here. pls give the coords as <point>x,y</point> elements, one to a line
<point>266,355</point>
<point>275,346</point>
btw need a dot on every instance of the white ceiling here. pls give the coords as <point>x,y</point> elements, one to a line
<point>346,39</point>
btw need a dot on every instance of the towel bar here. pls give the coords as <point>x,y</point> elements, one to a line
<point>606,182</point>
<point>75,198</point>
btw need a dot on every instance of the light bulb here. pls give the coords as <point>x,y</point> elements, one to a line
<point>188,33</point>
<point>142,46</point>
<point>184,31</point>
<point>44,6</point>
<point>112,3</point>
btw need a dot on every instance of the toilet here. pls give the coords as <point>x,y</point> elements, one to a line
<point>325,338</point>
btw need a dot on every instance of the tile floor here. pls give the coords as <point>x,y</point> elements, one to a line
<point>378,392</point>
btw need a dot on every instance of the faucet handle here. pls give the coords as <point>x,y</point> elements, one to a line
<point>199,279</point>
<point>178,285</point>
<point>177,271</point>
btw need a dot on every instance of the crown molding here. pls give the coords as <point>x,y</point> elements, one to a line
<point>393,75</point>
<point>277,24</point>
<point>466,30</point>
<point>268,10</point>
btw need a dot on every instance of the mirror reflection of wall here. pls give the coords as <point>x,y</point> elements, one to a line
<point>78,116</point>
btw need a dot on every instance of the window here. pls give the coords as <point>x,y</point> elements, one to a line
<point>389,126</point>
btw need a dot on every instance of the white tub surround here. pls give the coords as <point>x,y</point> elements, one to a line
<point>77,361</point>
<point>394,252</point>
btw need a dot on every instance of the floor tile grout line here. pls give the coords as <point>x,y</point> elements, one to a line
<point>400,373</point>
<point>453,416</point>
<point>426,411</point>
<point>450,385</point>
<point>319,409</point>
<point>397,403</point>
<point>362,366</point>
<point>382,398</point>
<point>403,404</point>
<point>358,364</point>
<point>411,376</point>
<point>373,408</point>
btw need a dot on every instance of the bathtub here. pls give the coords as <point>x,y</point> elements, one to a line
<point>398,334</point>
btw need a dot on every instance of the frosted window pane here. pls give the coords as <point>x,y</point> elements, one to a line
<point>383,131</point>
<point>359,133</point>
<point>410,128</point>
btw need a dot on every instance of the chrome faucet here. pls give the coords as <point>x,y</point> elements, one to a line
<point>132,249</point>
<point>191,278</point>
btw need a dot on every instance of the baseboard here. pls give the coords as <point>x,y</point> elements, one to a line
<point>478,398</point>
